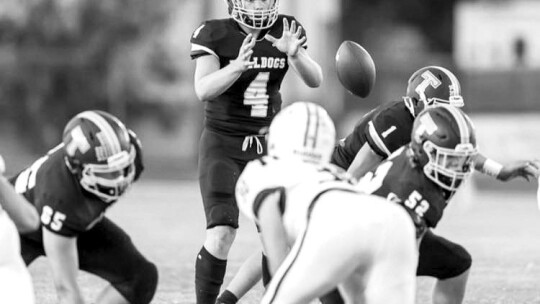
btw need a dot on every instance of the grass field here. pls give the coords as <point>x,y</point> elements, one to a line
<point>166,221</point>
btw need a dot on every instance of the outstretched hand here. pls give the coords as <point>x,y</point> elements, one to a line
<point>243,61</point>
<point>290,42</point>
<point>524,169</point>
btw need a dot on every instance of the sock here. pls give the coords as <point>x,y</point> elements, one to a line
<point>209,274</point>
<point>227,297</point>
<point>266,276</point>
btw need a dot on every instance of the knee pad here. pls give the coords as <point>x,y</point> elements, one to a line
<point>442,259</point>
<point>142,285</point>
<point>461,261</point>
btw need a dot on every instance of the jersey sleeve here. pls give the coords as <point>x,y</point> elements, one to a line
<point>60,218</point>
<point>202,42</point>
<point>387,132</point>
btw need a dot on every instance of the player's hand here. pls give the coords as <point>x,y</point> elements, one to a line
<point>243,61</point>
<point>290,42</point>
<point>524,169</point>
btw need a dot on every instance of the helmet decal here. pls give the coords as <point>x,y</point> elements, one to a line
<point>429,80</point>
<point>78,142</point>
<point>110,144</point>
<point>426,125</point>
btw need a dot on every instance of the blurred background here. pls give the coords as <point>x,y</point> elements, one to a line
<point>131,58</point>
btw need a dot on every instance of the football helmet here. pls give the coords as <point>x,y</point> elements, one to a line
<point>443,142</point>
<point>303,132</point>
<point>432,85</point>
<point>99,152</point>
<point>246,13</point>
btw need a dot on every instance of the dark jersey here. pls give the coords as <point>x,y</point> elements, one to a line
<point>386,128</point>
<point>254,99</point>
<point>397,180</point>
<point>64,207</point>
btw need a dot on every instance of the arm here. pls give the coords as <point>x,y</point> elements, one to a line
<point>524,169</point>
<point>364,161</point>
<point>273,234</point>
<point>309,70</point>
<point>23,214</point>
<point>64,260</point>
<point>211,81</point>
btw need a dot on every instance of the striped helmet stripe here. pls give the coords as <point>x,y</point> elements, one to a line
<point>312,125</point>
<point>110,141</point>
<point>464,131</point>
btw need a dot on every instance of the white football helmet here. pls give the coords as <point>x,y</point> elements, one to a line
<point>253,18</point>
<point>303,132</point>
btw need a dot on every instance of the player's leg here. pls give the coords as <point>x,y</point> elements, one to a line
<point>449,263</point>
<point>329,250</point>
<point>108,252</point>
<point>218,173</point>
<point>392,277</point>
<point>247,276</point>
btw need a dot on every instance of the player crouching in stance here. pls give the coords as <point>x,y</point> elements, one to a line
<point>71,187</point>
<point>16,214</point>
<point>317,230</point>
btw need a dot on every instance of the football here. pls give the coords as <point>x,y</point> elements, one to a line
<point>355,68</point>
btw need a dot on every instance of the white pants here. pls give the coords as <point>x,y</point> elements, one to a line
<point>366,248</point>
<point>15,281</point>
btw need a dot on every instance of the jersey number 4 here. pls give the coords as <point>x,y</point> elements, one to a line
<point>256,95</point>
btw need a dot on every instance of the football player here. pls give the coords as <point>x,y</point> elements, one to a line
<point>240,64</point>
<point>16,213</point>
<point>424,175</point>
<point>311,218</point>
<point>387,128</point>
<point>71,187</point>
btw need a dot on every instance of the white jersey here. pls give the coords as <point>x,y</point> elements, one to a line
<point>15,282</point>
<point>300,184</point>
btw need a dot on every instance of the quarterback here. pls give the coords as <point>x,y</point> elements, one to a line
<point>311,219</point>
<point>240,64</point>
<point>71,187</point>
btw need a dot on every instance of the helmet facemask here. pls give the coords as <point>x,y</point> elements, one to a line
<point>449,167</point>
<point>111,180</point>
<point>254,18</point>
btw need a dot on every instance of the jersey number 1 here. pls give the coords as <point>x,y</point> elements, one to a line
<point>256,97</point>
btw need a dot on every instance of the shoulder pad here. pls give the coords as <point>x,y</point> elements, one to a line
<point>207,37</point>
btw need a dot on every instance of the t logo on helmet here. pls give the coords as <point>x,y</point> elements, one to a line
<point>429,80</point>
<point>78,142</point>
<point>427,125</point>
